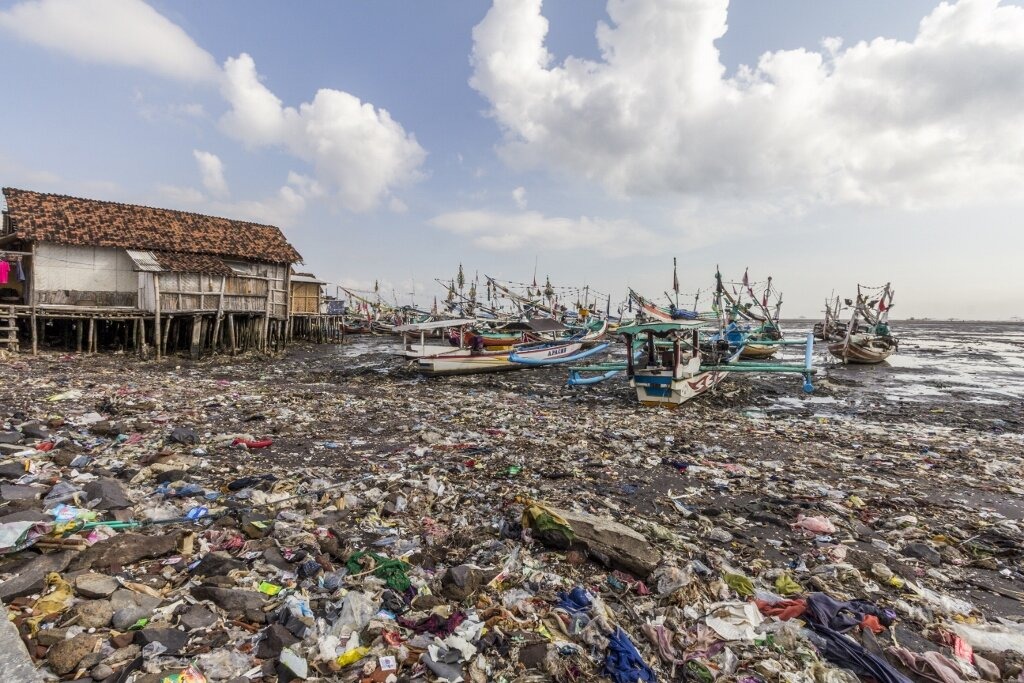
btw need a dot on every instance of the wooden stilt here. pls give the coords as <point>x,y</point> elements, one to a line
<point>156,317</point>
<point>197,335</point>
<point>35,333</point>
<point>231,333</point>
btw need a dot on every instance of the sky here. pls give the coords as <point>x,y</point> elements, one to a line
<point>821,143</point>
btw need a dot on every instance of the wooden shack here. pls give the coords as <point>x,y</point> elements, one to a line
<point>141,277</point>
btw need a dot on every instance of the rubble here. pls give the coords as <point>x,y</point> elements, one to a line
<point>239,519</point>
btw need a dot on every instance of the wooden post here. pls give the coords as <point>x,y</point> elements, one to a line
<point>266,317</point>
<point>78,335</point>
<point>156,317</point>
<point>231,332</point>
<point>167,334</point>
<point>35,333</point>
<point>220,313</point>
<point>92,330</point>
<point>138,346</point>
<point>197,336</point>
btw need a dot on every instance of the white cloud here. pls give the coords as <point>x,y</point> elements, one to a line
<point>932,121</point>
<point>356,148</point>
<point>122,32</point>
<point>396,205</point>
<point>179,195</point>
<point>519,195</point>
<point>211,170</point>
<point>531,230</point>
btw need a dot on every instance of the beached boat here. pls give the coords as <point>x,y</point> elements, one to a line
<point>868,339</point>
<point>415,337</point>
<point>669,363</point>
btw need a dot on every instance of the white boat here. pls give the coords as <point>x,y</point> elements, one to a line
<point>414,338</point>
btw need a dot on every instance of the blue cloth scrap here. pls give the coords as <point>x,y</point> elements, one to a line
<point>575,600</point>
<point>623,663</point>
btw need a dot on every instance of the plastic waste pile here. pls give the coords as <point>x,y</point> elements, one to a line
<point>234,522</point>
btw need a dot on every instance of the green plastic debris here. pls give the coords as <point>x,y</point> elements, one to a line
<point>785,585</point>
<point>269,588</point>
<point>392,571</point>
<point>739,583</point>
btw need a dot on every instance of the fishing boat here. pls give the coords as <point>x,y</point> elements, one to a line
<point>415,338</point>
<point>868,339</point>
<point>670,363</point>
<point>831,328</point>
<point>479,359</point>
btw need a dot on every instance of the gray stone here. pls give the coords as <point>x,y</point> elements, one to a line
<point>613,544</point>
<point>109,491</point>
<point>101,671</point>
<point>171,638</point>
<point>11,470</point>
<point>15,662</point>
<point>923,552</point>
<point>26,516</point>
<point>126,549</point>
<point>197,617</point>
<point>123,597</point>
<point>274,557</point>
<point>237,603</point>
<point>32,577</point>
<point>35,430</point>
<point>256,525</point>
<point>21,492</point>
<point>125,617</point>
<point>93,613</point>
<point>51,636</point>
<point>95,585</point>
<point>217,564</point>
<point>64,657</point>
<point>274,639</point>
<point>11,437</point>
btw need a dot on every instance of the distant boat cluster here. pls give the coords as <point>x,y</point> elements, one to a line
<point>669,353</point>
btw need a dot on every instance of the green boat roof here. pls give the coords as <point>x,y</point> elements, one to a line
<point>663,327</point>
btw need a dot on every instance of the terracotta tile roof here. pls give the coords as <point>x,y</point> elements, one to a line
<point>57,218</point>
<point>178,262</point>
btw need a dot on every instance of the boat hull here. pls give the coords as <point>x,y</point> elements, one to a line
<point>660,389</point>
<point>869,351</point>
<point>755,351</point>
<point>467,364</point>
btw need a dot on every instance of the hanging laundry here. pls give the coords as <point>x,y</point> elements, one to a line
<point>5,269</point>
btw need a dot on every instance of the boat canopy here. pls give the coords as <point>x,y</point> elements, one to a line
<point>435,325</point>
<point>662,328</point>
<point>535,325</point>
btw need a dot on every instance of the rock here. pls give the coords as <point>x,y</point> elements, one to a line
<point>126,549</point>
<point>51,636</point>
<point>110,492</point>
<point>217,564</point>
<point>184,435</point>
<point>15,662</point>
<point>274,558</point>
<point>95,585</point>
<point>458,583</point>
<point>11,470</point>
<point>31,578</point>
<point>35,430</point>
<point>274,639</point>
<point>93,613</point>
<point>126,617</point>
<point>613,544</point>
<point>122,598</point>
<point>431,438</point>
<point>26,516</point>
<point>197,617</point>
<point>101,671</point>
<point>11,437</point>
<point>171,476</point>
<point>21,492</point>
<point>65,655</point>
<point>237,603</point>
<point>256,525</point>
<point>171,638</point>
<point>924,552</point>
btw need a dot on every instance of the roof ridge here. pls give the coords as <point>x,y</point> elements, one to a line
<point>140,206</point>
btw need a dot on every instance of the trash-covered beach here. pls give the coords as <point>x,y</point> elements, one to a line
<point>330,514</point>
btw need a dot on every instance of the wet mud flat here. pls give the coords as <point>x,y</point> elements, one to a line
<point>917,468</point>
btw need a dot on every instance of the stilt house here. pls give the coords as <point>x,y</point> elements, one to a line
<point>168,279</point>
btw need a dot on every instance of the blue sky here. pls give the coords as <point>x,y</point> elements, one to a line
<point>827,164</point>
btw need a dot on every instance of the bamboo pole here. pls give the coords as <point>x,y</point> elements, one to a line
<point>35,334</point>
<point>220,313</point>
